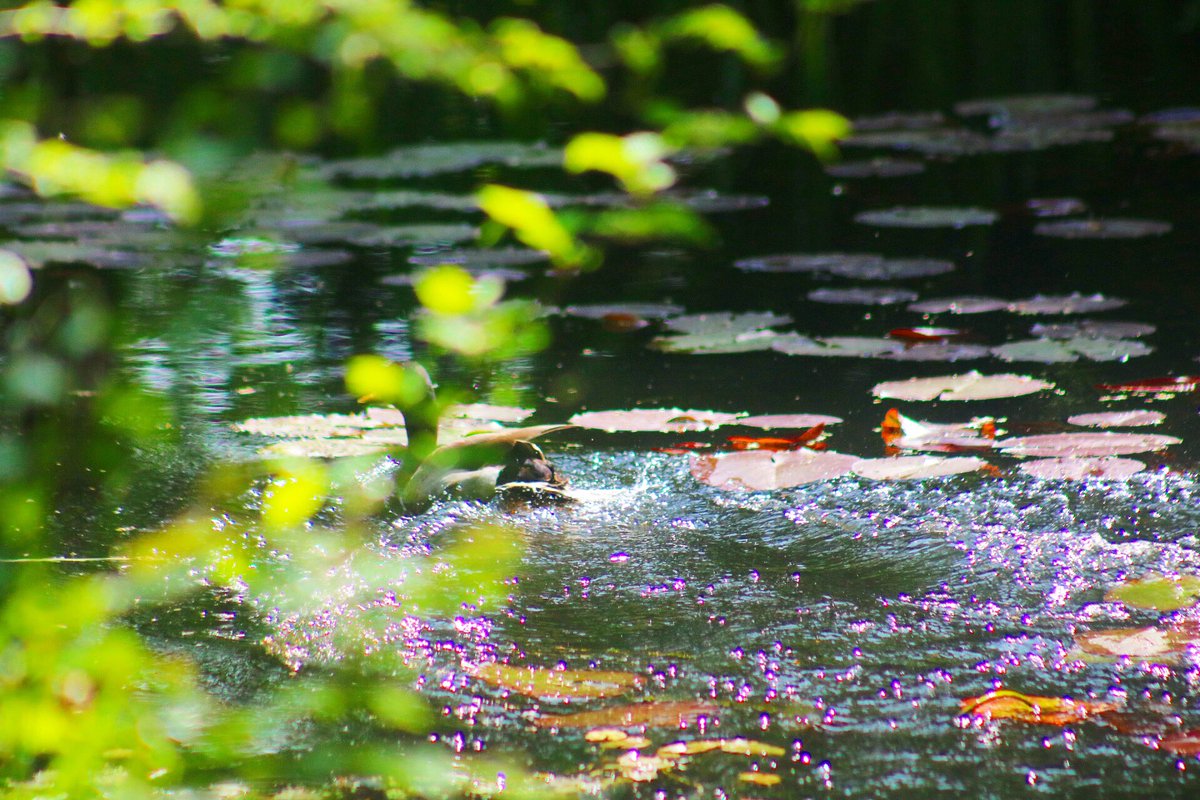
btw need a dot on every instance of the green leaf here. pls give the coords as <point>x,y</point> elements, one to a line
<point>1157,593</point>
<point>722,28</point>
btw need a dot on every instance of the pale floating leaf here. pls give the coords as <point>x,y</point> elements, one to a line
<point>1157,592</point>
<point>845,346</point>
<point>664,420</point>
<point>863,295</point>
<point>718,342</point>
<point>726,321</point>
<point>418,161</point>
<point>899,120</point>
<point>1105,443</point>
<point>1131,418</point>
<point>1112,228</point>
<point>927,217</point>
<point>798,421</point>
<point>1150,643</point>
<point>481,257</point>
<point>883,167</point>
<point>323,448</point>
<point>808,262</point>
<point>966,386</point>
<point>1054,351</point>
<point>959,305</point>
<point>938,351</point>
<point>1091,329</point>
<point>1055,206</point>
<point>1076,468</point>
<point>1074,303</point>
<point>927,141</point>
<point>1007,704</point>
<point>764,470</point>
<point>890,269</point>
<point>312,426</point>
<point>642,310</point>
<point>1025,105</point>
<point>915,467</point>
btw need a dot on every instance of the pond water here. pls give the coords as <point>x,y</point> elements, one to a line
<point>843,620</point>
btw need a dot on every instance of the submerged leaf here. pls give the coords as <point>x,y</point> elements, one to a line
<point>1007,704</point>
<point>765,470</point>
<point>807,262</point>
<point>676,714</point>
<point>558,684</point>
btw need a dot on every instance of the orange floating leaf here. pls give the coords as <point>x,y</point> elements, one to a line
<point>1007,704</point>
<point>664,714</point>
<point>1182,383</point>
<point>759,778</point>
<point>1185,743</point>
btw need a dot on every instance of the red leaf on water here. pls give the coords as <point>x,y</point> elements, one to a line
<point>891,429</point>
<point>924,334</point>
<point>1182,383</point>
<point>1186,743</point>
<point>622,322</point>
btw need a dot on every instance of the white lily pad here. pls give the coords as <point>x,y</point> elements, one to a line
<point>807,262</point>
<point>1112,228</point>
<point>664,420</point>
<point>323,448</point>
<point>927,217</point>
<point>883,167</point>
<point>1055,206</point>
<point>764,470</point>
<point>841,346</point>
<point>1074,303</point>
<point>726,321</point>
<point>1132,418</point>
<point>863,295</point>
<point>959,305</point>
<point>891,269</point>
<point>1053,351</point>
<point>1104,443</point>
<point>915,467</point>
<point>966,386</point>
<point>797,421</point>
<point>641,310</point>
<point>938,351</point>
<point>718,342</point>
<point>1092,329</point>
<point>1076,468</point>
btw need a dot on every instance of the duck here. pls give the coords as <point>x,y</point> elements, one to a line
<point>476,467</point>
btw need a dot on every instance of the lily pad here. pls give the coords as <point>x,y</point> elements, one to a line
<point>959,305</point>
<point>418,161</point>
<point>899,120</point>
<point>863,295</point>
<point>1092,329</point>
<point>1104,443</point>
<point>1057,351</point>
<point>1055,206</point>
<point>558,684</point>
<point>718,342</point>
<point>926,141</point>
<point>640,310</point>
<point>1167,385</point>
<point>726,321</point>
<point>1157,592</point>
<point>1112,228</point>
<point>671,714</point>
<point>1074,303</point>
<point>1076,468</point>
<point>794,344</point>
<point>1118,419</point>
<point>915,467</point>
<point>808,262</point>
<point>938,351</point>
<point>764,470</point>
<point>485,274</point>
<point>1025,105</point>
<point>797,421</point>
<point>501,256</point>
<point>966,386</point>
<point>927,217</point>
<point>883,167</point>
<point>663,420</point>
<point>1007,704</point>
<point>890,269</point>
<point>1148,644</point>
